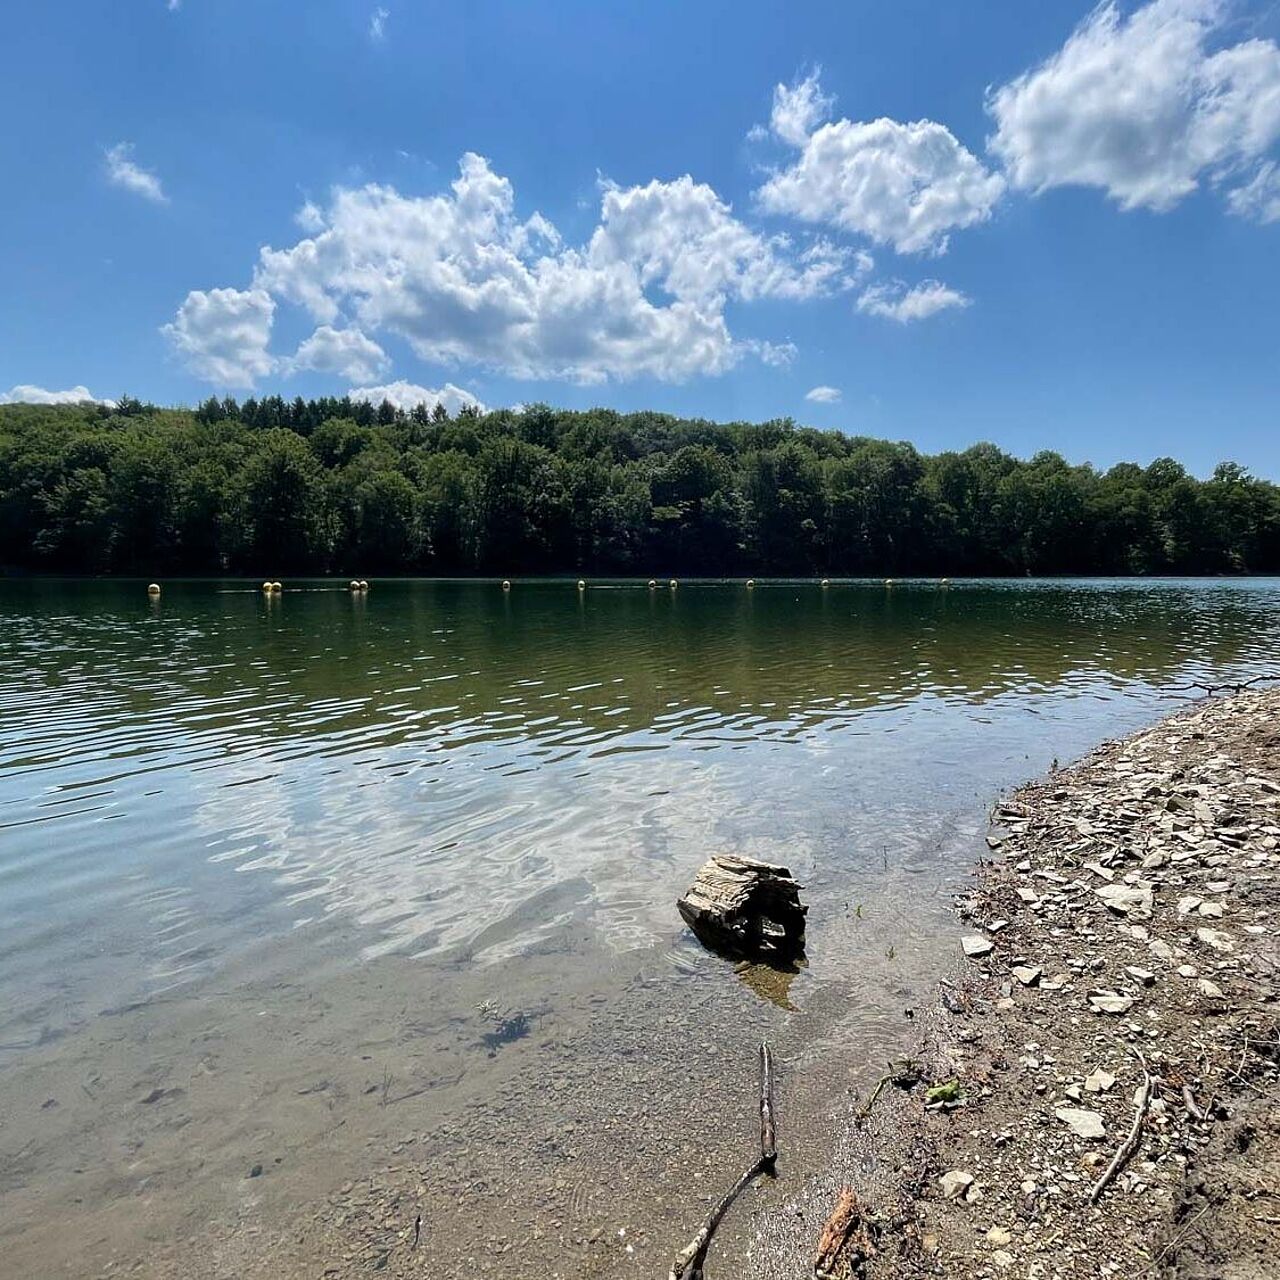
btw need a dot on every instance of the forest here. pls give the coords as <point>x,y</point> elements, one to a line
<point>269,487</point>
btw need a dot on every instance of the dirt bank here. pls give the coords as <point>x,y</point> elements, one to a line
<point>1114,1033</point>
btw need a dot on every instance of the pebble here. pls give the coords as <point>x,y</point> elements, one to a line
<point>954,1182</point>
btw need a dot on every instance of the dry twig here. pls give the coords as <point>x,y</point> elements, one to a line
<point>689,1261</point>
<point>1130,1144</point>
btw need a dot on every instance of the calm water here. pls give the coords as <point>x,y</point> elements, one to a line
<point>219,800</point>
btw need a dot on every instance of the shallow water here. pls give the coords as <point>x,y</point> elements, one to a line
<point>396,828</point>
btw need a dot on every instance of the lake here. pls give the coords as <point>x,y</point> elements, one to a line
<point>368,900</point>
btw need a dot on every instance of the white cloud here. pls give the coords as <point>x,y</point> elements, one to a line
<point>775,354</point>
<point>309,217</point>
<point>346,352</point>
<point>408,395</point>
<point>123,171</point>
<point>223,335</point>
<point>26,393</point>
<point>1143,107</point>
<point>1259,198</point>
<point>898,302</point>
<point>378,24</point>
<point>823,395</point>
<point>464,280</point>
<point>905,185</point>
<point>799,108</point>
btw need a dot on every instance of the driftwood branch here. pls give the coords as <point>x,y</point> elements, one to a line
<point>1130,1144</point>
<point>768,1130</point>
<point>690,1260</point>
<point>1229,687</point>
<point>846,1236</point>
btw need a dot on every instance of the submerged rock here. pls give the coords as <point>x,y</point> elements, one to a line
<point>746,909</point>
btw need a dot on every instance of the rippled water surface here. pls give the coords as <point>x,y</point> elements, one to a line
<point>219,784</point>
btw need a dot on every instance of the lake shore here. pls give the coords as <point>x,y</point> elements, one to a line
<point>1113,1032</point>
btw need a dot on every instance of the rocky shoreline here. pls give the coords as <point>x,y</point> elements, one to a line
<point>1113,1034</point>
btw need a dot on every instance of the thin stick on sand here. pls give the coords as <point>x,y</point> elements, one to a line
<point>1130,1144</point>
<point>689,1261</point>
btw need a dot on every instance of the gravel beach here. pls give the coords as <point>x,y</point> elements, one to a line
<point>1112,1041</point>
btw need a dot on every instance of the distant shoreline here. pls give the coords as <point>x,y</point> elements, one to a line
<point>341,486</point>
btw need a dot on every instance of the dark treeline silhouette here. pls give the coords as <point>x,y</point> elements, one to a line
<point>340,485</point>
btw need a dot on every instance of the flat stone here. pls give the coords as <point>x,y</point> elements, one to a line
<point>999,1236</point>
<point>1144,976</point>
<point>1099,1081</point>
<point>1110,1002</point>
<point>1215,939</point>
<point>1210,910</point>
<point>1027,974</point>
<point>1127,899</point>
<point>1084,1124</point>
<point>1210,989</point>
<point>976,945</point>
<point>954,1182</point>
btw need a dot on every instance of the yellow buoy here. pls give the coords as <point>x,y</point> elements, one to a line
<point>673,584</point>
<point>826,582</point>
<point>751,583</point>
<point>653,582</point>
<point>582,586</point>
<point>944,582</point>
<point>353,585</point>
<point>276,588</point>
<point>153,589</point>
<point>888,582</point>
<point>364,586</point>
<point>506,584</point>
<point>266,586</point>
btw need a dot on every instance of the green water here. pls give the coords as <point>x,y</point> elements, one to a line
<point>216,803</point>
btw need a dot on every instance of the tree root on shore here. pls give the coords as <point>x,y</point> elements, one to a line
<point>690,1260</point>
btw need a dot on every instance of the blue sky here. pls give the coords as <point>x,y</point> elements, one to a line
<point>1045,225</point>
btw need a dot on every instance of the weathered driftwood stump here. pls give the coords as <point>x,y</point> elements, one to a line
<point>746,909</point>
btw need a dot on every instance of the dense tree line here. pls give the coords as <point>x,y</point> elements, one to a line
<point>335,485</point>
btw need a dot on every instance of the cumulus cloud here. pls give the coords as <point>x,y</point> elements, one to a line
<point>1146,107</point>
<point>823,395</point>
<point>223,335</point>
<point>123,171</point>
<point>895,301</point>
<point>1259,198</point>
<point>904,185</point>
<point>346,352</point>
<point>26,393</point>
<point>799,108</point>
<point>408,395</point>
<point>463,279</point>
